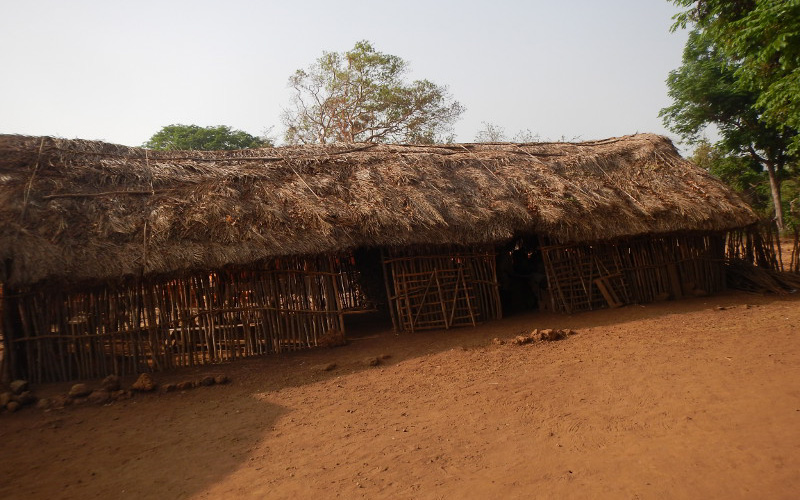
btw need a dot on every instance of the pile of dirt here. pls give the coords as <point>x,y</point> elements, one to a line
<point>536,335</point>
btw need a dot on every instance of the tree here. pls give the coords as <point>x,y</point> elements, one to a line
<point>743,173</point>
<point>194,137</point>
<point>490,133</point>
<point>763,38</point>
<point>710,89</point>
<point>526,136</point>
<point>361,96</point>
<point>495,133</point>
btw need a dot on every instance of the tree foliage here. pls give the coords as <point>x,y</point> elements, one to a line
<point>744,174</point>
<point>718,85</point>
<point>361,96</point>
<point>763,38</point>
<point>194,137</point>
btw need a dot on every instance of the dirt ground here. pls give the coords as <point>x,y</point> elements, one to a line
<point>697,398</point>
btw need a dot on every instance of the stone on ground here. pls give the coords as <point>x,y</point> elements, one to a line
<point>111,383</point>
<point>99,397</point>
<point>79,391</point>
<point>18,386</point>
<point>144,383</point>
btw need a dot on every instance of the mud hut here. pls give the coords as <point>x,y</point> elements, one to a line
<point>117,259</point>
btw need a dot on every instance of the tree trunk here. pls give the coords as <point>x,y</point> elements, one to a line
<point>775,187</point>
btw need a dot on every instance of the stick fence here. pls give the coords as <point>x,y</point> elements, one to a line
<point>610,274</point>
<point>442,288</point>
<point>152,325</point>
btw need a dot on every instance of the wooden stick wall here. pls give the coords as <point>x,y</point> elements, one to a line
<point>156,325</point>
<point>586,277</point>
<point>759,245</point>
<point>348,285</point>
<point>441,289</point>
<point>794,261</point>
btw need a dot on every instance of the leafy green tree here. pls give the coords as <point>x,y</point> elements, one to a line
<point>709,89</point>
<point>194,137</point>
<point>744,174</point>
<point>361,96</point>
<point>763,38</point>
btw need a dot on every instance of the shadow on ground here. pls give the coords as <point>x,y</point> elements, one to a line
<point>180,443</point>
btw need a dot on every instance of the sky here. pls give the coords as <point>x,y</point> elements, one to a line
<point>118,71</point>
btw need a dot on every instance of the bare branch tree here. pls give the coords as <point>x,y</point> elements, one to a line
<point>361,96</point>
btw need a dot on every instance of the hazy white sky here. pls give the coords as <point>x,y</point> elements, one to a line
<point>120,70</point>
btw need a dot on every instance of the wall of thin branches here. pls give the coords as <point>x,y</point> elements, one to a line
<point>151,325</point>
<point>758,262</point>
<point>611,274</point>
<point>55,334</point>
<point>441,287</point>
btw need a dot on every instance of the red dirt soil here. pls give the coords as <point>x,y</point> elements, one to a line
<point>698,398</point>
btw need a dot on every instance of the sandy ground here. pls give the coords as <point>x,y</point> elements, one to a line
<point>672,400</point>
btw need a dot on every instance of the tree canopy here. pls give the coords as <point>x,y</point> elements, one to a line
<point>361,96</point>
<point>718,84</point>
<point>763,38</point>
<point>194,137</point>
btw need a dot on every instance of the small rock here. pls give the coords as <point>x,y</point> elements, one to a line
<point>121,394</point>
<point>221,379</point>
<point>207,381</point>
<point>13,406</point>
<point>184,386</point>
<point>332,338</point>
<point>44,404</point>
<point>144,383</point>
<point>111,383</point>
<point>79,401</point>
<point>497,341</point>
<point>720,308</point>
<point>79,391</point>
<point>60,401</point>
<point>26,398</point>
<point>386,356</point>
<point>5,398</point>
<point>522,339</point>
<point>18,386</point>
<point>168,388</point>
<point>99,397</point>
<point>372,361</point>
<point>553,335</point>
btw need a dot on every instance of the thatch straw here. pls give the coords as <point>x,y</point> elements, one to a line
<point>75,210</point>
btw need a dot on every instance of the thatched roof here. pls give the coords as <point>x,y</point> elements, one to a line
<point>75,210</point>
